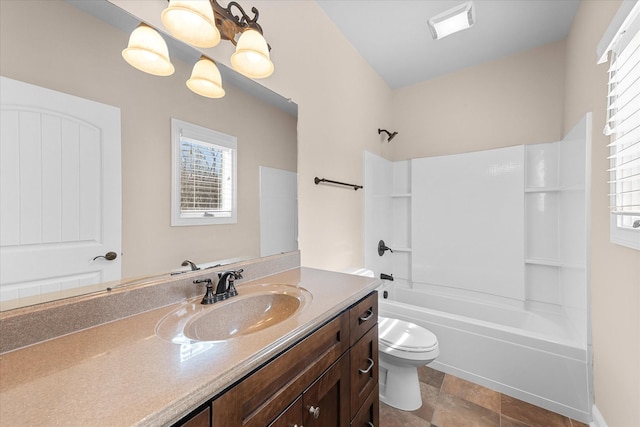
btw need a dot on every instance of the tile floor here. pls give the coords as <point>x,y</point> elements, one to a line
<point>449,401</point>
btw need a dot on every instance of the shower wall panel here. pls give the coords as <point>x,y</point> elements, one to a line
<point>467,222</point>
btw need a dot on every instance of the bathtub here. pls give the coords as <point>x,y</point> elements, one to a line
<point>533,356</point>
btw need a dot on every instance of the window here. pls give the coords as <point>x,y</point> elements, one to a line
<point>204,175</point>
<point>623,123</point>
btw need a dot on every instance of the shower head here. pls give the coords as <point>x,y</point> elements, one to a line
<point>390,135</point>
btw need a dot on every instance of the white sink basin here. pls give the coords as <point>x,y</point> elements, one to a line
<point>254,309</point>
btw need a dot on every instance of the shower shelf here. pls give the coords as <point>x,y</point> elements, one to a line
<point>553,189</point>
<point>405,195</point>
<point>540,261</point>
<point>542,189</point>
<point>553,263</point>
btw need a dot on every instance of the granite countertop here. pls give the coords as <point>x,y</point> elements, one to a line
<point>122,373</point>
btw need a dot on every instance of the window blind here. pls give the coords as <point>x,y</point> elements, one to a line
<point>205,178</point>
<point>623,124</point>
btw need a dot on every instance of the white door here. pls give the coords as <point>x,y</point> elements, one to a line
<point>60,191</point>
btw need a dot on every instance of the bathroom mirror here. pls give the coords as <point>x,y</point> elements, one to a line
<point>57,45</point>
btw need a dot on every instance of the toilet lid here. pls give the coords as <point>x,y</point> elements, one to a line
<point>405,336</point>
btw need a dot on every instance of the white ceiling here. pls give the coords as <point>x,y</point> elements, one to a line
<point>392,35</point>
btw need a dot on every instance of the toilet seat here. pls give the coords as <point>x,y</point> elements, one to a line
<point>399,335</point>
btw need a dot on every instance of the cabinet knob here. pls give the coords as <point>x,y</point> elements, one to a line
<point>314,411</point>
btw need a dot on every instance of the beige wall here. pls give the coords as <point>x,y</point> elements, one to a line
<point>52,44</point>
<point>615,270</point>
<point>342,103</point>
<point>512,101</point>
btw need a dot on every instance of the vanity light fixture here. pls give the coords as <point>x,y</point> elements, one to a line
<point>147,51</point>
<point>203,23</point>
<point>205,79</point>
<point>453,20</point>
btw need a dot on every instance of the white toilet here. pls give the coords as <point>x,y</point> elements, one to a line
<point>403,347</point>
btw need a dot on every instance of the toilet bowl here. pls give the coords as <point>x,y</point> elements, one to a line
<point>403,347</point>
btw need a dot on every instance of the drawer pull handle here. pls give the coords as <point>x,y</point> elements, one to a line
<point>370,424</point>
<point>367,316</point>
<point>314,411</point>
<point>366,371</point>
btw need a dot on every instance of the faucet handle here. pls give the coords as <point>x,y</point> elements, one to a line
<point>232,291</point>
<point>209,297</point>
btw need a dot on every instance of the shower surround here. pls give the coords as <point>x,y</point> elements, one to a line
<point>490,253</point>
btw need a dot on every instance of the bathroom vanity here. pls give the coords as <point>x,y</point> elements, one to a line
<point>321,361</point>
<point>329,378</point>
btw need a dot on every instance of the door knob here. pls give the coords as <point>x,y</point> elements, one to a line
<point>109,256</point>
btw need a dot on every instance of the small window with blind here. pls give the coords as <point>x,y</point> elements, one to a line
<point>204,175</point>
<point>622,44</point>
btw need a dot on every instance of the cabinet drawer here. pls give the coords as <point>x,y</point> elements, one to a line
<point>363,316</point>
<point>369,414</point>
<point>260,397</point>
<point>364,368</point>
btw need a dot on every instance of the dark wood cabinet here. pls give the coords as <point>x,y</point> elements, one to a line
<point>369,413</point>
<point>326,402</point>
<point>364,369</point>
<point>201,418</point>
<point>328,379</point>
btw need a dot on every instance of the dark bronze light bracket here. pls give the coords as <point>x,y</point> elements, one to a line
<point>231,25</point>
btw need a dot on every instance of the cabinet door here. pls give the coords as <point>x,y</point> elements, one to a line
<point>291,417</point>
<point>326,401</point>
<point>364,368</point>
<point>202,419</point>
<point>369,414</point>
<point>261,397</point>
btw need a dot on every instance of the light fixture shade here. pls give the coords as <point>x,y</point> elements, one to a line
<point>205,79</point>
<point>453,20</point>
<point>147,51</point>
<point>251,57</point>
<point>192,22</point>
